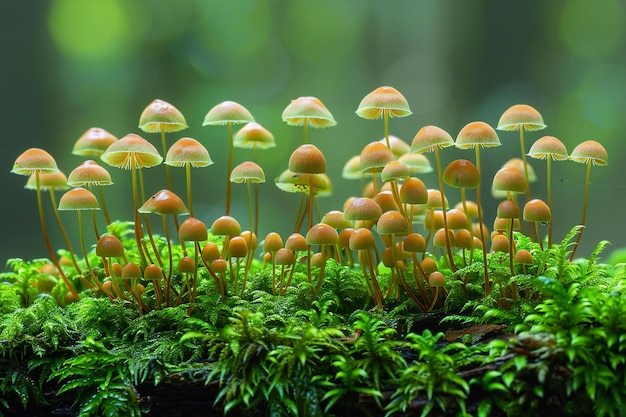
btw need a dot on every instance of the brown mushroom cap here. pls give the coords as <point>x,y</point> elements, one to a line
<point>308,110</point>
<point>307,159</point>
<point>153,273</point>
<point>164,202</point>
<point>477,134</point>
<point>383,99</point>
<point>227,112</point>
<point>322,234</point>
<point>296,242</point>
<point>131,271</point>
<point>188,151</point>
<point>430,137</point>
<point>78,199</point>
<point>537,211</point>
<point>109,246</point>
<point>238,247</point>
<point>34,160</point>
<point>461,173</point>
<point>499,243</point>
<point>192,230</point>
<point>361,239</point>
<point>413,191</point>
<point>132,150</point>
<point>436,279</point>
<point>273,242</point>
<point>414,242</point>
<point>89,173</point>
<point>284,257</point>
<point>392,222</point>
<point>508,209</point>
<point>93,142</point>
<point>521,116</point>
<point>253,135</point>
<point>362,208</point>
<point>161,116</point>
<point>186,265</point>
<point>590,151</point>
<point>523,257</point>
<point>548,147</point>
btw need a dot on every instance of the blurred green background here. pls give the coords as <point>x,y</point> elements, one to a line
<point>68,65</point>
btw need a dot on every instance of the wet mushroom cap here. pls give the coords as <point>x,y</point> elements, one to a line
<point>227,112</point>
<point>188,151</point>
<point>131,271</point>
<point>548,147</point>
<point>192,230</point>
<point>430,137</point>
<point>132,150</point>
<point>32,160</point>
<point>508,209</point>
<point>93,142</point>
<point>477,134</point>
<point>309,110</point>
<point>253,135</point>
<point>247,171</point>
<point>89,173</point>
<point>78,199</point>
<point>164,202</point>
<point>590,151</point>
<point>238,247</point>
<point>414,242</point>
<point>383,98</point>
<point>521,115</point>
<point>161,116</point>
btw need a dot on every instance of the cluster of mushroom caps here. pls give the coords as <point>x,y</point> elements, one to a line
<point>389,210</point>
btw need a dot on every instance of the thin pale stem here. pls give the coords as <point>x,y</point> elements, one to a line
<point>386,127</point>
<point>585,205</point>
<point>480,226</point>
<point>444,210</point>
<point>63,231</point>
<point>138,231</point>
<point>103,203</point>
<point>229,167</point>
<point>188,177</point>
<point>549,173</point>
<point>168,178</point>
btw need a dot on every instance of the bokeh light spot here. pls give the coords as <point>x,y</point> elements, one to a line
<point>89,30</point>
<point>592,31</point>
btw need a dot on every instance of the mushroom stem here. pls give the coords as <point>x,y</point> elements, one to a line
<point>444,209</point>
<point>44,230</point>
<point>386,126</point>
<point>138,231</point>
<point>480,225</point>
<point>188,178</point>
<point>549,174</point>
<point>104,205</point>
<point>229,167</point>
<point>585,205</point>
<point>63,231</point>
<point>168,178</point>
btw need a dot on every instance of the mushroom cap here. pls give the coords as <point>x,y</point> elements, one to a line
<point>238,247</point>
<point>109,246</point>
<point>509,179</point>
<point>418,163</point>
<point>352,169</point>
<point>130,271</point>
<point>548,147</point>
<point>521,115</point>
<point>186,265</point>
<point>78,198</point>
<point>392,222</point>
<point>296,242</point>
<point>132,150</point>
<point>463,239</point>
<point>414,242</point>
<point>434,199</point>
<point>34,160</point>
<point>225,226</point>
<point>164,202</point>
<point>161,116</point>
<point>284,257</point>
<point>504,225</point>
<point>253,135</point>
<point>477,134</point>
<point>508,209</point>
<point>362,208</point>
<point>188,151</point>
<point>307,159</point>
<point>523,257</point>
<point>457,219</point>
<point>227,112</point>
<point>382,99</point>
<point>93,142</point>
<point>292,182</point>
<point>436,279</point>
<point>247,171</point>
<point>322,234</point>
<point>336,219</point>
<point>439,238</point>
<point>413,191</point>
<point>537,211</point>
<point>48,181</point>
<point>361,239</point>
<point>374,157</point>
<point>192,230</point>
<point>430,137</point>
<point>153,273</point>
<point>272,242</point>
<point>394,170</point>
<point>461,173</point>
<point>309,110</point>
<point>210,252</point>
<point>590,151</point>
<point>499,243</point>
<point>518,163</point>
<point>386,201</point>
<point>89,173</point>
<point>397,146</point>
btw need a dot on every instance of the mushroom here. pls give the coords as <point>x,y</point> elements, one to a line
<point>308,111</point>
<point>384,102</point>
<point>93,142</point>
<point>90,174</point>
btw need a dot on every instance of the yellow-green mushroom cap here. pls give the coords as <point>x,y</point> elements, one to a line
<point>397,146</point>
<point>308,110</point>
<point>93,142</point>
<point>477,134</point>
<point>89,173</point>
<point>247,171</point>
<point>253,135</point>
<point>430,137</point>
<point>34,160</point>
<point>590,151</point>
<point>188,151</point>
<point>48,181</point>
<point>548,147</point>
<point>383,99</point>
<point>394,170</point>
<point>352,169</point>
<point>161,116</point>
<point>132,150</point>
<point>78,199</point>
<point>292,182</point>
<point>418,163</point>
<point>227,112</point>
<point>164,202</point>
<point>521,116</point>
